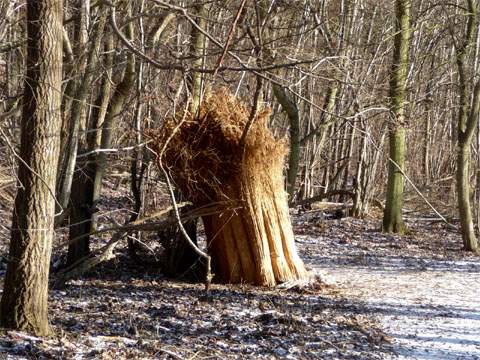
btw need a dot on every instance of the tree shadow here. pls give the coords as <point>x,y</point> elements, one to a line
<point>274,323</point>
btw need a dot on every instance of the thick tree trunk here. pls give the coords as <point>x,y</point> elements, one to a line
<point>392,217</point>
<point>24,300</point>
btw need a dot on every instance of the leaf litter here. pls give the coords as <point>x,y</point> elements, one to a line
<point>376,296</point>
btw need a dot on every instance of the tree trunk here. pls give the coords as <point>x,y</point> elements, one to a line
<point>25,294</point>
<point>392,217</point>
<point>78,110</point>
<point>81,199</point>
<point>81,212</point>
<point>294,121</point>
<point>114,108</point>
<point>463,191</point>
<point>198,52</point>
<point>467,123</point>
<point>359,206</point>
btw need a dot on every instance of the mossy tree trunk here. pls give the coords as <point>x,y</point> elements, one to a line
<point>198,52</point>
<point>467,122</point>
<point>291,109</point>
<point>392,216</point>
<point>25,293</point>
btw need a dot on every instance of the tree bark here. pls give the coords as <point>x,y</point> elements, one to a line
<point>467,123</point>
<point>82,204</point>
<point>24,301</point>
<point>392,216</point>
<point>291,109</point>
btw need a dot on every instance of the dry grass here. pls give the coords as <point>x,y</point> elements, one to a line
<point>205,149</point>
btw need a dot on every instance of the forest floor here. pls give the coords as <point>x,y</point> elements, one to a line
<point>421,287</point>
<point>379,297</point>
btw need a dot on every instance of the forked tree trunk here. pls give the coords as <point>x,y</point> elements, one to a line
<point>467,123</point>
<point>25,293</point>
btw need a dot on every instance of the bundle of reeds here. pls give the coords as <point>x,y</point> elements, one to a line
<point>211,160</point>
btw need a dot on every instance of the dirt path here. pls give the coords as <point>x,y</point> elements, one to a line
<point>427,299</point>
<point>428,314</point>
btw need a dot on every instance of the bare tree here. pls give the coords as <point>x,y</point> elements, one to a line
<point>392,217</point>
<point>24,300</point>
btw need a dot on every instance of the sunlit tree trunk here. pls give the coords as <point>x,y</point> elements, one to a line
<point>198,52</point>
<point>82,178</point>
<point>467,122</point>
<point>25,294</point>
<point>392,216</point>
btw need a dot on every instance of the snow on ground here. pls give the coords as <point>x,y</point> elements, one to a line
<point>409,297</point>
<point>422,288</point>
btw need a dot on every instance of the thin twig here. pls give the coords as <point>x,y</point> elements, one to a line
<point>229,37</point>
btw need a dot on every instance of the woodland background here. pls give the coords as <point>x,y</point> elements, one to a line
<point>377,102</point>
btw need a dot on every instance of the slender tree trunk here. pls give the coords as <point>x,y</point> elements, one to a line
<point>392,216</point>
<point>78,110</point>
<point>25,294</point>
<point>291,109</point>
<point>467,123</point>
<point>428,115</point>
<point>198,51</point>
<point>114,108</point>
<point>82,204</point>
<point>358,204</point>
